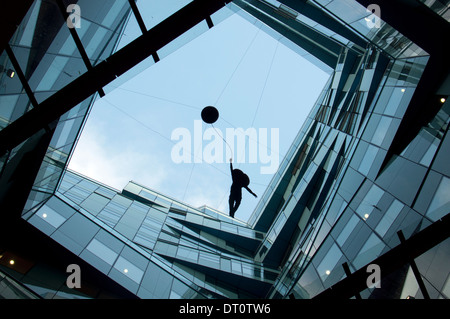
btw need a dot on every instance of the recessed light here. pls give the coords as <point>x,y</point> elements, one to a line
<point>327,272</point>
<point>10,73</point>
<point>12,262</point>
<point>125,270</point>
<point>443,100</point>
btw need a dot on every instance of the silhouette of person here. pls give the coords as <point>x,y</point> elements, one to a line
<point>240,180</point>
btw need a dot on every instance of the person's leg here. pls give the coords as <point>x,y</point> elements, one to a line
<point>231,204</point>
<point>237,202</point>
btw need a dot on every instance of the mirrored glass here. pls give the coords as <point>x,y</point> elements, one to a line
<point>329,261</point>
<point>370,201</point>
<point>50,216</point>
<point>102,251</point>
<point>371,249</point>
<point>367,161</point>
<point>129,269</point>
<point>389,217</point>
<point>349,227</point>
<point>441,200</point>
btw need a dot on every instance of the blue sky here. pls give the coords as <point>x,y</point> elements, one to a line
<point>251,78</point>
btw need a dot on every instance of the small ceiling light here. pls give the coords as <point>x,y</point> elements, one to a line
<point>443,100</point>
<point>10,73</point>
<point>403,90</point>
<point>366,216</point>
<point>125,270</point>
<point>44,215</point>
<point>327,272</point>
<point>12,262</point>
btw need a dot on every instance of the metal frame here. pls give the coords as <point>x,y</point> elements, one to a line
<point>404,253</point>
<point>78,42</point>
<point>107,71</point>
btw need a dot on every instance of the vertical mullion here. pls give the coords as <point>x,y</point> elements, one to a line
<point>141,24</point>
<point>21,76</point>
<point>78,42</point>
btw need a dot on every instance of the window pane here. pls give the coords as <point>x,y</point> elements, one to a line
<point>347,230</point>
<point>389,217</point>
<point>381,130</point>
<point>368,159</point>
<point>369,202</point>
<point>329,261</point>
<point>102,251</point>
<point>51,216</point>
<point>441,201</point>
<point>129,269</point>
<point>371,249</point>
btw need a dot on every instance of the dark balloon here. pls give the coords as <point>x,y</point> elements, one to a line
<point>210,114</point>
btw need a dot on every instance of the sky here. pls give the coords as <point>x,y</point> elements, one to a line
<point>253,80</point>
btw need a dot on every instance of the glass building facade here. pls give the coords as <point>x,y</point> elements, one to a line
<point>366,177</point>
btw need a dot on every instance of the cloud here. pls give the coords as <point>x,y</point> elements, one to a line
<point>96,156</point>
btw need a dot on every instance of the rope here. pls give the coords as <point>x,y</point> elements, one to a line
<point>265,82</point>
<point>172,142</point>
<point>159,98</point>
<point>231,151</point>
<point>197,108</point>
<point>237,66</point>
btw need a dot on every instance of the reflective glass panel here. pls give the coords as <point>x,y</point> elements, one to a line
<point>371,249</point>
<point>389,216</point>
<point>102,251</point>
<point>128,269</point>
<point>51,216</point>
<point>441,200</point>
<point>351,224</point>
<point>329,261</point>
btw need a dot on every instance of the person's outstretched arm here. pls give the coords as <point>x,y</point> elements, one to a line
<point>250,191</point>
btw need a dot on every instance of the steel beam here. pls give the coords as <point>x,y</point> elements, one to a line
<point>392,260</point>
<point>11,16</point>
<point>107,71</point>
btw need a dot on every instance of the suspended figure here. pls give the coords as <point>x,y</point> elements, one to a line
<point>240,180</point>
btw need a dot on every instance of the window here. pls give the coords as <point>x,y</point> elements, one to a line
<point>51,216</point>
<point>188,254</point>
<point>389,216</point>
<point>102,251</point>
<point>329,261</point>
<point>370,202</point>
<point>440,203</point>
<point>52,74</point>
<point>381,130</point>
<point>349,227</point>
<point>371,249</point>
<point>94,203</point>
<point>129,269</point>
<point>367,161</point>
